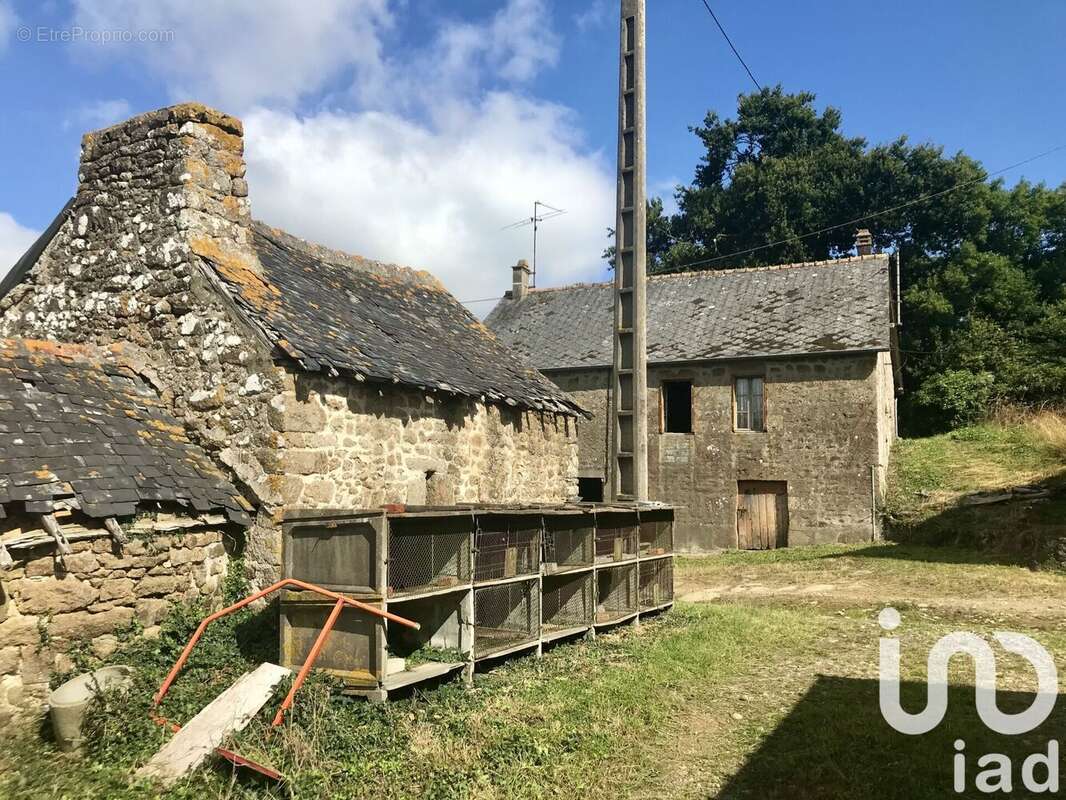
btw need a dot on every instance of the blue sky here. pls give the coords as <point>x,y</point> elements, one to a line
<point>413,131</point>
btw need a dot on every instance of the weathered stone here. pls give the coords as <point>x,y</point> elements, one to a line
<point>9,659</point>
<point>17,631</point>
<point>83,625</point>
<point>55,595</point>
<point>149,612</point>
<point>118,589</point>
<point>204,400</point>
<point>104,646</point>
<point>286,413</point>
<point>82,563</point>
<point>156,585</point>
<point>41,567</point>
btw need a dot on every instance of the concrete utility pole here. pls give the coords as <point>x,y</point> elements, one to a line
<point>628,478</point>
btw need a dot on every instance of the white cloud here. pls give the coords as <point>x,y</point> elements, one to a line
<point>243,51</point>
<point>417,156</point>
<point>8,22</point>
<point>14,241</point>
<point>436,197</point>
<point>597,14</point>
<point>98,114</point>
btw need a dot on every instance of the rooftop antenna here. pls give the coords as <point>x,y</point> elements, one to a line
<point>535,221</point>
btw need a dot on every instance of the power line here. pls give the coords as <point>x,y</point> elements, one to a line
<point>901,206</point>
<point>482,300</point>
<point>731,45</point>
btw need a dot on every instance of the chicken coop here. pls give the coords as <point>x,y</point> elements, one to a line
<point>483,582</point>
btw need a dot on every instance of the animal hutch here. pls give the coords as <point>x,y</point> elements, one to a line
<point>483,582</point>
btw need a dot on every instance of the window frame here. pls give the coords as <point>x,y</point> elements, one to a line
<point>748,378</point>
<point>691,405</point>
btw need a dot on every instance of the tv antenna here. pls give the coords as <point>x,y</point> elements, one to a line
<point>537,218</point>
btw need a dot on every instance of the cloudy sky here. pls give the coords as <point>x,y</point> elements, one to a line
<point>414,130</point>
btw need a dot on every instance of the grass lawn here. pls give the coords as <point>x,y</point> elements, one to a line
<point>741,696</point>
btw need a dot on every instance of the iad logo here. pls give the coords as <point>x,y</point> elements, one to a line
<point>999,773</point>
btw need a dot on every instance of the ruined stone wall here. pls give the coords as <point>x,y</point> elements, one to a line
<point>161,197</point>
<point>589,390</point>
<point>48,606</point>
<point>826,426</point>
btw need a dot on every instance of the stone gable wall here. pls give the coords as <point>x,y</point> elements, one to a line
<point>160,198</point>
<point>47,606</point>
<point>828,422</point>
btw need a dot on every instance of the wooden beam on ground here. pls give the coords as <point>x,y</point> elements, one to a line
<point>227,714</point>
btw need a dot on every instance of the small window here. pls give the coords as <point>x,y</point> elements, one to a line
<point>590,489</point>
<point>749,399</point>
<point>677,407</point>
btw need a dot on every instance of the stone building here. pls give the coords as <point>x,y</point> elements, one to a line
<point>315,378</point>
<point>771,394</point>
<point>108,512</point>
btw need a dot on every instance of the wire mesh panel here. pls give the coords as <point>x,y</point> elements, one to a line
<point>566,602</point>
<point>656,582</point>
<point>616,592</point>
<point>617,535</point>
<point>568,541</point>
<point>505,615</point>
<point>656,532</point>
<point>507,546</point>
<point>428,553</point>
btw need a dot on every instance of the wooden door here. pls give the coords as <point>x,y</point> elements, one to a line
<point>762,515</point>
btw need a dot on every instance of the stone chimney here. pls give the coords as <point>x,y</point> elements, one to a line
<point>164,184</point>
<point>520,279</point>
<point>864,242</point>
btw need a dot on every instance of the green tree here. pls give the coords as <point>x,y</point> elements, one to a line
<point>984,266</point>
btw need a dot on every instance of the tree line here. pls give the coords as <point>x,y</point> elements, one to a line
<point>984,264</point>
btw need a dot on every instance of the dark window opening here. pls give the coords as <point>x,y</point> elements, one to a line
<point>677,407</point>
<point>590,489</point>
<point>750,404</point>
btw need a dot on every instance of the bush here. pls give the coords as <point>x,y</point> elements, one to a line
<point>957,397</point>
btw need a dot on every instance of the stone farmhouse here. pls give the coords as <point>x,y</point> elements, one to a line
<point>108,512</point>
<point>771,393</point>
<point>312,378</point>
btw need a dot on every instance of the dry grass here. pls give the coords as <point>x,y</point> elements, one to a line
<point>1049,427</point>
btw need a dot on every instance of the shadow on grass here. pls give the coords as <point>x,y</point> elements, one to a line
<point>834,744</point>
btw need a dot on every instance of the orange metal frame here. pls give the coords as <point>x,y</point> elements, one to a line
<point>341,602</point>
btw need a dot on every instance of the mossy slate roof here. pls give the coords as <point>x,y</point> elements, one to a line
<point>798,309</point>
<point>77,424</point>
<point>338,313</point>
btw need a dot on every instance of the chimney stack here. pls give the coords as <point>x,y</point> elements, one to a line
<point>864,242</point>
<point>520,279</point>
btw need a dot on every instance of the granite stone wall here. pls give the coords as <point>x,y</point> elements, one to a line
<point>161,198</point>
<point>49,605</point>
<point>830,423</point>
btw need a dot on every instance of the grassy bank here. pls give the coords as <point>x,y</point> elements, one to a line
<point>931,480</point>
<point>587,720</point>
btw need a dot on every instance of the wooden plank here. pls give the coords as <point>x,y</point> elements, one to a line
<point>782,519</point>
<point>228,713</point>
<point>744,522</point>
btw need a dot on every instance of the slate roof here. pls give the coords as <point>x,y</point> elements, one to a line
<point>76,424</point>
<point>818,307</point>
<point>338,313</point>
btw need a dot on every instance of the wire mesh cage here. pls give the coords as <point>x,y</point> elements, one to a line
<point>616,592</point>
<point>566,602</point>
<point>656,532</point>
<point>507,546</point>
<point>505,615</point>
<point>427,553</point>
<point>568,542</point>
<point>656,583</point>
<point>617,535</point>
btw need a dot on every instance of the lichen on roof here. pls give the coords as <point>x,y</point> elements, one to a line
<point>337,313</point>
<point>77,424</point>
<point>842,305</point>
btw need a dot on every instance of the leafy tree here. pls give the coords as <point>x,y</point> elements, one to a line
<point>984,266</point>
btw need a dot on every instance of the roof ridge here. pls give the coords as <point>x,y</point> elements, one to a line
<point>340,257</point>
<point>721,272</point>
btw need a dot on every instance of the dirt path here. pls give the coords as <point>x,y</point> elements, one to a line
<point>873,577</point>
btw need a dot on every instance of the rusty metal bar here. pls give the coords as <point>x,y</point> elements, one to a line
<point>282,584</point>
<point>320,642</point>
